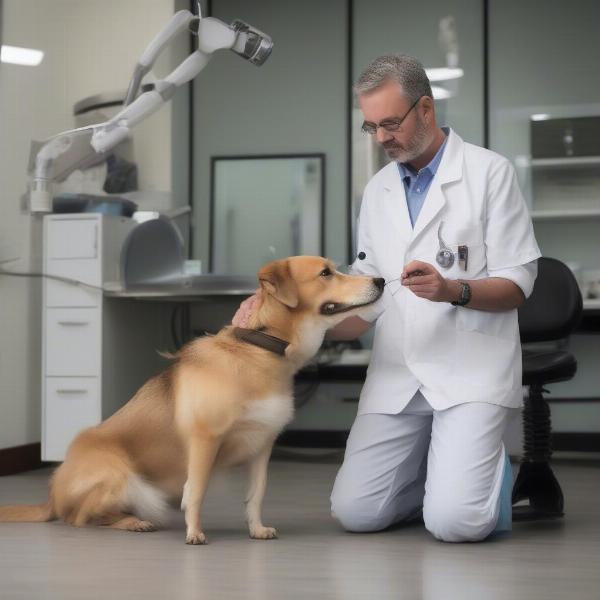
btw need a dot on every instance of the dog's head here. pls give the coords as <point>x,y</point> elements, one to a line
<point>312,284</point>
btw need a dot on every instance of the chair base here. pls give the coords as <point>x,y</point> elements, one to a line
<point>528,513</point>
<point>536,482</point>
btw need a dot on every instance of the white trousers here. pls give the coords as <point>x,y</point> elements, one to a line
<point>447,463</point>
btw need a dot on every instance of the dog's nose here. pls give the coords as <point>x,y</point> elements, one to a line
<point>379,283</point>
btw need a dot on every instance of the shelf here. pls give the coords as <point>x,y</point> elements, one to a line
<point>547,215</point>
<point>573,161</point>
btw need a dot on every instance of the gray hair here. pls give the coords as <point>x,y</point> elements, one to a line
<point>404,69</point>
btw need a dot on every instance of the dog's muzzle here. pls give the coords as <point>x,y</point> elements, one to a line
<point>333,308</point>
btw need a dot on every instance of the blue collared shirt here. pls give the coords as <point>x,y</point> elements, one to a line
<point>416,185</point>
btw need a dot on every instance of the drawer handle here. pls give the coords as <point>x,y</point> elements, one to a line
<point>73,322</point>
<point>71,391</point>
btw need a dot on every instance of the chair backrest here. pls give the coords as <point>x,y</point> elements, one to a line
<point>555,306</point>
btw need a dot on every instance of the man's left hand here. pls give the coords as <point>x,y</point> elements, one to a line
<point>425,281</point>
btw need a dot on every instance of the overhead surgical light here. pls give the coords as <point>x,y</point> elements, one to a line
<point>21,56</point>
<point>69,150</point>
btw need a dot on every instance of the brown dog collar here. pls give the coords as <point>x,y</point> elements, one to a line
<point>262,340</point>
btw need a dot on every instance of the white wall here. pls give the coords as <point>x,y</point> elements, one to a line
<point>90,47</point>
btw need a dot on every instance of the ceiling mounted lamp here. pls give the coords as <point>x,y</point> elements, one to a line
<point>21,56</point>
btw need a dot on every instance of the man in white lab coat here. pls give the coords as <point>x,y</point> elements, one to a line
<point>446,226</point>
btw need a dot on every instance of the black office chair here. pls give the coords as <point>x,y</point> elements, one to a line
<point>551,313</point>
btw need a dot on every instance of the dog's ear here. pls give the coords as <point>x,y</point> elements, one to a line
<point>276,279</point>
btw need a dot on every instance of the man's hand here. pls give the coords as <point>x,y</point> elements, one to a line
<point>425,281</point>
<point>493,294</point>
<point>246,309</point>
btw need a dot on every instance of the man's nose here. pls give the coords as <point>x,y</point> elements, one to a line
<point>382,135</point>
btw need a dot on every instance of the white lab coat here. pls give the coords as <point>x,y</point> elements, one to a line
<point>452,354</point>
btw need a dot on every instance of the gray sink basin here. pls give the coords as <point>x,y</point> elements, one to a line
<point>194,285</point>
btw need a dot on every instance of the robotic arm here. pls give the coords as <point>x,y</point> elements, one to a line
<point>70,150</point>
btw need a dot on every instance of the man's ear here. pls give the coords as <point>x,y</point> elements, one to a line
<point>427,107</point>
<point>276,279</point>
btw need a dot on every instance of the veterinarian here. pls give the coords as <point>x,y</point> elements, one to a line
<point>446,226</point>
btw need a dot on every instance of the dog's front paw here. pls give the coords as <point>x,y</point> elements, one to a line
<point>195,539</point>
<point>263,533</point>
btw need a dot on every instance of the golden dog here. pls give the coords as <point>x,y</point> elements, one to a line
<point>223,401</point>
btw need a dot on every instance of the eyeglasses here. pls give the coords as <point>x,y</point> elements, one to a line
<point>390,125</point>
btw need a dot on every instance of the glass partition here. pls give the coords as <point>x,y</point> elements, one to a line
<point>264,208</point>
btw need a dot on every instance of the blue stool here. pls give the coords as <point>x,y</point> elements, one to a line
<point>504,523</point>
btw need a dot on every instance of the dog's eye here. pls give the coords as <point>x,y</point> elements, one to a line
<point>326,272</point>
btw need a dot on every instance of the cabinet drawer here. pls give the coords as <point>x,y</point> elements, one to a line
<point>72,238</point>
<point>73,340</point>
<point>59,293</point>
<point>70,405</point>
<point>71,251</point>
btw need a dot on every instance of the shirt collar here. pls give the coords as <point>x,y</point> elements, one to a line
<point>434,163</point>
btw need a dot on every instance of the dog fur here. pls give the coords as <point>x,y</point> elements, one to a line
<point>221,402</point>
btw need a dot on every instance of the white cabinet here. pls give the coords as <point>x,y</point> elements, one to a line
<point>71,404</point>
<point>95,351</point>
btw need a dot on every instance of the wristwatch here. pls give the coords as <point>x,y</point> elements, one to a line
<point>465,294</point>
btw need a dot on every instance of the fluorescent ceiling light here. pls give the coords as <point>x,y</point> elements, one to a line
<point>21,56</point>
<point>440,93</point>
<point>540,117</point>
<point>444,74</point>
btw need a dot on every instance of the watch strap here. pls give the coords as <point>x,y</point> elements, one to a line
<point>465,294</point>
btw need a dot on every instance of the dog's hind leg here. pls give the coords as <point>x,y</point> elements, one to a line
<point>100,487</point>
<point>133,505</point>
<point>127,523</point>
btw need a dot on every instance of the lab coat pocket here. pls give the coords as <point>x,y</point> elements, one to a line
<point>473,267</point>
<point>488,362</point>
<point>501,325</point>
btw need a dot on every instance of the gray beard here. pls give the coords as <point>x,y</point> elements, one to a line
<point>417,145</point>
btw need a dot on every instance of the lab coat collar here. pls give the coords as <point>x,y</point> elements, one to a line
<point>394,200</point>
<point>450,170</point>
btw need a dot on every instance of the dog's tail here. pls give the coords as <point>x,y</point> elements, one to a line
<point>31,513</point>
